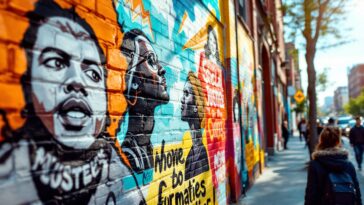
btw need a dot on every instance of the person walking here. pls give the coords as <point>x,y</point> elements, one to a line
<point>356,137</point>
<point>319,127</point>
<point>304,131</point>
<point>330,160</point>
<point>331,122</point>
<point>299,126</point>
<point>285,133</point>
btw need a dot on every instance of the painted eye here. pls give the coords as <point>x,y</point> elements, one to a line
<point>152,60</point>
<point>186,93</point>
<point>57,63</point>
<point>93,75</point>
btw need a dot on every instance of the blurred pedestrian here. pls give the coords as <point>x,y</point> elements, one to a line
<point>285,133</point>
<point>319,128</point>
<point>356,136</point>
<point>331,122</point>
<point>302,128</point>
<point>329,162</point>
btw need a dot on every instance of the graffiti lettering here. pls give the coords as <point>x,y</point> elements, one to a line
<point>189,195</point>
<point>177,179</point>
<point>212,73</point>
<point>66,177</point>
<point>168,159</point>
<point>220,164</point>
<point>215,97</point>
<point>217,129</point>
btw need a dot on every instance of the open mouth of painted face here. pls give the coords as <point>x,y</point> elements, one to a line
<point>74,114</point>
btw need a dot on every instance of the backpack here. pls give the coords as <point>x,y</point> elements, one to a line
<point>340,189</point>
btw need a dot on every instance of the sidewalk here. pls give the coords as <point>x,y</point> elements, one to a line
<point>284,179</point>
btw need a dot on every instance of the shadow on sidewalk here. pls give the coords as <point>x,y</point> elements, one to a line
<point>284,179</point>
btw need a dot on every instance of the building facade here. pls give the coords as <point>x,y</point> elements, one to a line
<point>341,97</point>
<point>328,106</point>
<point>356,80</point>
<point>293,83</point>
<point>139,102</point>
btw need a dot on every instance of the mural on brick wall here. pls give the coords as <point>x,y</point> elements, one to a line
<point>62,152</point>
<point>183,127</point>
<point>113,102</point>
<point>192,111</point>
<point>249,106</point>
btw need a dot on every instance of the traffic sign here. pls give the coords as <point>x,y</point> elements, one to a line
<point>299,96</point>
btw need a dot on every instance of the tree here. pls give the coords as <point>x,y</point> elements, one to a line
<point>356,106</point>
<point>300,107</point>
<point>314,20</point>
<point>322,80</point>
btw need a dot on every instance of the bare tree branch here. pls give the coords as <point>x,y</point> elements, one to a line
<point>322,9</point>
<point>336,44</point>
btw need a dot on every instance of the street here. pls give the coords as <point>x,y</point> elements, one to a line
<point>284,179</point>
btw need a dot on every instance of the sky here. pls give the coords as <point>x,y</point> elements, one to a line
<point>340,58</point>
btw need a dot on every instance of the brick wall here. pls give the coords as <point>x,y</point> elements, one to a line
<point>112,101</point>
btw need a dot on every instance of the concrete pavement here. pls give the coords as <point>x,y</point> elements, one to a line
<point>284,179</point>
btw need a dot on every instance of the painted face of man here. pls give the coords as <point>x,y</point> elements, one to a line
<point>149,69</point>
<point>68,83</point>
<point>212,44</point>
<point>188,103</point>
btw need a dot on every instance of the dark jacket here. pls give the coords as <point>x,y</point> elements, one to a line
<point>324,161</point>
<point>356,135</point>
<point>285,132</point>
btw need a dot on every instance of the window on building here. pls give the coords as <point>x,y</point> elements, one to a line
<point>243,9</point>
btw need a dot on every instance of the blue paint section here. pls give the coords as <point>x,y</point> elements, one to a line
<point>139,179</point>
<point>234,72</point>
<point>213,6</point>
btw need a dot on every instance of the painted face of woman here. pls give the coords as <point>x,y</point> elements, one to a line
<point>212,44</point>
<point>68,83</point>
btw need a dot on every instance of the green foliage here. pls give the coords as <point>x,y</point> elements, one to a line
<point>356,106</point>
<point>301,107</point>
<point>316,19</point>
<point>322,80</point>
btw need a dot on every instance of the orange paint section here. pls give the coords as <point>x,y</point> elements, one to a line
<point>12,27</point>
<point>116,60</point>
<point>13,59</point>
<point>185,16</point>
<point>4,59</point>
<point>198,41</point>
<point>138,9</point>
<point>13,63</point>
